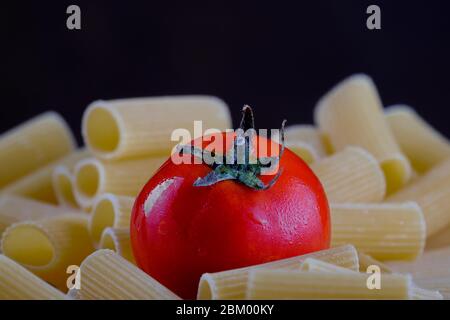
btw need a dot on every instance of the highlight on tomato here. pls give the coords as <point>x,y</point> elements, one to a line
<point>197,217</point>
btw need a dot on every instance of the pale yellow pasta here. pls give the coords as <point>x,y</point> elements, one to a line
<point>439,240</point>
<point>294,284</point>
<point>105,275</point>
<point>306,141</point>
<point>352,114</point>
<point>119,129</point>
<point>109,210</point>
<point>17,283</point>
<point>440,286</point>
<point>118,240</point>
<point>232,284</point>
<point>422,144</point>
<point>63,181</point>
<point>15,208</point>
<point>303,150</point>
<point>432,193</point>
<point>416,293</point>
<point>94,177</point>
<point>424,294</point>
<point>315,265</point>
<point>365,261</point>
<point>32,145</point>
<point>432,264</point>
<point>431,271</point>
<point>47,247</point>
<point>351,175</point>
<point>38,185</point>
<point>63,186</point>
<point>386,231</point>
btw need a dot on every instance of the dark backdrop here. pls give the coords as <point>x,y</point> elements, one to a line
<point>279,57</point>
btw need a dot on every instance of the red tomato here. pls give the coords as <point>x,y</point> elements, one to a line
<point>189,230</point>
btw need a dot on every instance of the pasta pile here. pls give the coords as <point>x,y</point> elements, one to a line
<point>65,212</point>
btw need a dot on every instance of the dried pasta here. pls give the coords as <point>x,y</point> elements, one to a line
<point>352,114</point>
<point>47,247</point>
<point>15,209</point>
<point>107,276</point>
<point>94,177</point>
<point>294,284</point>
<point>38,185</point>
<point>33,144</point>
<point>232,284</point>
<point>109,210</point>
<point>422,144</point>
<point>127,128</point>
<point>394,231</point>
<point>351,175</point>
<point>17,283</point>
<point>431,192</point>
<point>118,240</point>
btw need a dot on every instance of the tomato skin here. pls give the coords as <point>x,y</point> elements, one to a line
<point>192,230</point>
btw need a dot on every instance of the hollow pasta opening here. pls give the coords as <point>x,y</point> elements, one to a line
<point>102,218</point>
<point>102,130</point>
<point>204,290</point>
<point>107,241</point>
<point>64,185</point>
<point>87,180</point>
<point>396,173</point>
<point>29,245</point>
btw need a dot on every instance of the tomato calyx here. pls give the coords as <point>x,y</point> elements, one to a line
<point>241,169</point>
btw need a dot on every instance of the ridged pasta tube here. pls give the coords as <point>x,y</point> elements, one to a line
<point>47,247</point>
<point>33,144</point>
<point>351,175</point>
<point>118,240</point>
<point>17,283</point>
<point>109,210</point>
<point>315,265</point>
<point>431,192</point>
<point>63,181</point>
<point>15,209</point>
<point>38,185</point>
<point>232,284</point>
<point>128,128</point>
<point>294,284</point>
<point>306,141</point>
<point>422,144</point>
<point>388,231</point>
<point>107,276</point>
<point>352,114</point>
<point>94,177</point>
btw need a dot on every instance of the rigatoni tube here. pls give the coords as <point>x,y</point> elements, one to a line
<point>352,114</point>
<point>94,177</point>
<point>118,240</point>
<point>32,145</point>
<point>38,185</point>
<point>109,210</point>
<point>47,247</point>
<point>431,192</point>
<point>306,141</point>
<point>232,284</point>
<point>128,128</point>
<point>105,275</point>
<point>351,175</point>
<point>63,181</point>
<point>294,284</point>
<point>392,231</point>
<point>17,283</point>
<point>422,144</point>
<point>15,208</point>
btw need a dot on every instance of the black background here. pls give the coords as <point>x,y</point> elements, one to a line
<point>279,57</point>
